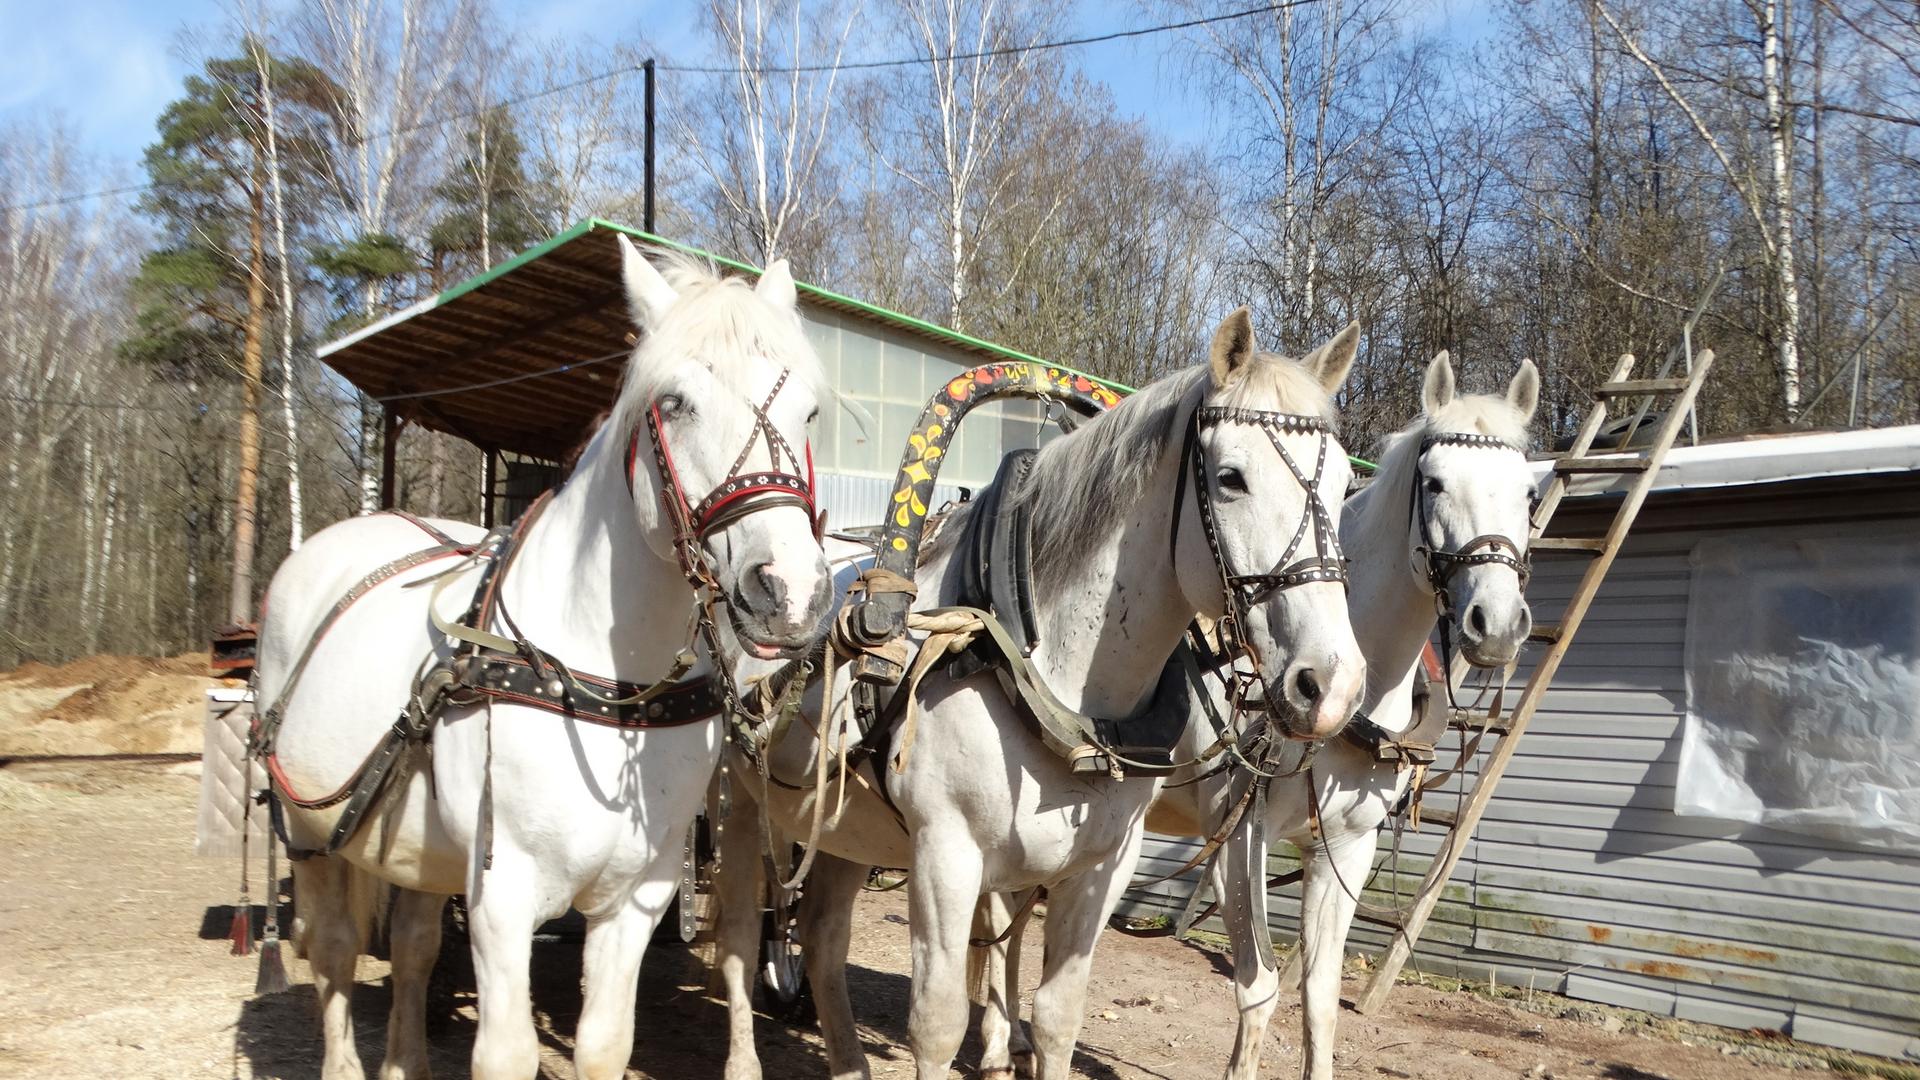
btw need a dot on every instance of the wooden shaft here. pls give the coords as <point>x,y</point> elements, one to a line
<point>389,443</point>
<point>1401,947</point>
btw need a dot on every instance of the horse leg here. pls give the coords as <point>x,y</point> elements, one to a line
<point>413,931</point>
<point>740,889</point>
<point>826,927</point>
<point>1240,882</point>
<point>941,896</point>
<point>1005,1049</point>
<point>616,943</point>
<point>1326,914</point>
<point>332,936</point>
<point>1077,910</point>
<point>502,913</point>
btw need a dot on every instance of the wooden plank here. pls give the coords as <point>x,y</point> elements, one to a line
<point>1640,387</point>
<point>1626,463</point>
<point>1402,947</point>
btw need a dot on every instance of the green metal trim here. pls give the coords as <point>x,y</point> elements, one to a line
<point>588,225</point>
<point>880,313</point>
<point>515,263</point>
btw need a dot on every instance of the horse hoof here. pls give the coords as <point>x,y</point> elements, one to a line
<point>1001,1072</point>
<point>1023,1065</point>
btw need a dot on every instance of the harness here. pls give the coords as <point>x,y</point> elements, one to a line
<point>484,667</point>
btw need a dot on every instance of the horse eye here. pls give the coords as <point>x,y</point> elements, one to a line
<point>812,416</point>
<point>673,405</point>
<point>1231,480</point>
<point>1434,486</point>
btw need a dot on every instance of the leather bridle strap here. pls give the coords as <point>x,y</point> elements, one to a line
<point>736,496</point>
<point>1485,549</point>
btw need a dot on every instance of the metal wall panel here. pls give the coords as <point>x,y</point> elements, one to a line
<point>1583,880</point>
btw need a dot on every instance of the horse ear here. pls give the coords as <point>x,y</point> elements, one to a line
<point>776,285</point>
<point>648,294</point>
<point>1438,391</point>
<point>1330,362</point>
<point>1523,392</point>
<point>1232,346</point>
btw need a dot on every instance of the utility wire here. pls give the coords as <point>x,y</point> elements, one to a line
<point>705,69</point>
<point>202,406</point>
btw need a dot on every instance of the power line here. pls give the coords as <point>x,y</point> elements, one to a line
<point>704,69</point>
<point>205,407</point>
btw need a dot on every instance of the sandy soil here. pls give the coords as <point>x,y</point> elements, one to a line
<point>105,705</point>
<point>114,962</point>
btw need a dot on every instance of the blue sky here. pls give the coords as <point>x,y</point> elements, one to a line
<point>106,67</point>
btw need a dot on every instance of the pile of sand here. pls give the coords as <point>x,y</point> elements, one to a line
<point>105,705</point>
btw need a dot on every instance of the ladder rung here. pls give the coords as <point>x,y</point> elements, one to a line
<point>1548,632</point>
<point>1600,465</point>
<point>1446,819</point>
<point>1377,915</point>
<point>1641,387</point>
<point>1567,544</point>
<point>1468,720</point>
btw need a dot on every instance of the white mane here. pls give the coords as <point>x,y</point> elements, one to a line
<point>1470,414</point>
<point>1086,481</point>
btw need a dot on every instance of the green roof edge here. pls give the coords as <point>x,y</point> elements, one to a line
<point>588,225</point>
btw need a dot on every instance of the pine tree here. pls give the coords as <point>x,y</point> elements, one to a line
<point>496,205</point>
<point>203,295</point>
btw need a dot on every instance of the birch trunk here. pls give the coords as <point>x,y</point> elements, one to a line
<point>289,420</point>
<point>1779,137</point>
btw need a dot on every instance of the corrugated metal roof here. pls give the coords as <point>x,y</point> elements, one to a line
<point>526,355</point>
<point>1766,460</point>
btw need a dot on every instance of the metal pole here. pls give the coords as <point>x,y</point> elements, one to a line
<point>646,215</point>
<point>389,443</point>
<point>487,493</point>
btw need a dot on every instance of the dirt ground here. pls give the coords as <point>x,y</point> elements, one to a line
<point>105,705</point>
<point>113,960</point>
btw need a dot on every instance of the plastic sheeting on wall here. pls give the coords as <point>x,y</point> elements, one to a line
<point>1803,687</point>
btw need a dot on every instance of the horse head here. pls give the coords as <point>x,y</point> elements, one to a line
<point>1269,478</point>
<point>718,398</point>
<point>1471,501</point>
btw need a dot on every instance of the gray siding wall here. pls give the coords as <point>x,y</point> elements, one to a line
<point>1582,880</point>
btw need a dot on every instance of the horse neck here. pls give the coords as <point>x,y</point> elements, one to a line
<point>1107,630</point>
<point>1393,616</point>
<point>587,587</point>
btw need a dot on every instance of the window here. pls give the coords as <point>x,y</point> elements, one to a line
<point>1803,687</point>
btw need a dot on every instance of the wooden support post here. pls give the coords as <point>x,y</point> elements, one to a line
<point>488,474</point>
<point>389,442</point>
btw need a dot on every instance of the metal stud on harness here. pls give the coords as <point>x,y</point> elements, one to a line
<point>1243,591</point>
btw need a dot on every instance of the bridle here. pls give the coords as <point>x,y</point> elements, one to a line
<point>1482,550</point>
<point>1243,591</point>
<point>734,497</point>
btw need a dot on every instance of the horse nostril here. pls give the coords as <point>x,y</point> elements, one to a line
<point>771,588</point>
<point>1307,683</point>
<point>1477,621</point>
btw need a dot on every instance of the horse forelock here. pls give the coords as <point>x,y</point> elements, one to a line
<point>1467,414</point>
<point>720,323</point>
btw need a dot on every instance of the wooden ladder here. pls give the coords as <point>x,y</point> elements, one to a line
<point>1644,466</point>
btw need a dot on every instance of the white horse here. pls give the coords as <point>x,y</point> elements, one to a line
<point>1452,487</point>
<point>1121,564</point>
<point>525,810</point>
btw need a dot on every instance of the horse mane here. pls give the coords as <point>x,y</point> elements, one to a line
<point>719,322</point>
<point>1469,414</point>
<point>1084,482</point>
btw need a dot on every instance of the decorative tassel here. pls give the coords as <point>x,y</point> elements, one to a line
<point>242,930</point>
<point>273,973</point>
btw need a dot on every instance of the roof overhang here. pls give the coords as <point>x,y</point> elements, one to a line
<point>1768,459</point>
<point>525,356</point>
